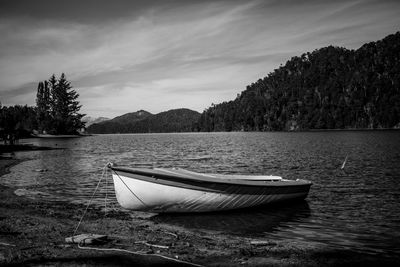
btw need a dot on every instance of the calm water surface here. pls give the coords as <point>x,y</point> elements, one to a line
<point>356,208</point>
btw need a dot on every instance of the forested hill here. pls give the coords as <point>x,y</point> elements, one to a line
<point>177,120</point>
<point>330,88</point>
<point>132,117</point>
<point>120,124</point>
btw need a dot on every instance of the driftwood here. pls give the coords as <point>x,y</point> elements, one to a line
<point>172,234</point>
<point>6,244</point>
<point>86,239</point>
<point>261,243</point>
<point>151,245</point>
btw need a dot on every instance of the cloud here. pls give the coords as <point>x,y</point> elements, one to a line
<point>160,56</point>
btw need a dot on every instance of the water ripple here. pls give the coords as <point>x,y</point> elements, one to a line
<point>356,208</point>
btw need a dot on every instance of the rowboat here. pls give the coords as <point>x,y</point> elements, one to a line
<point>178,190</point>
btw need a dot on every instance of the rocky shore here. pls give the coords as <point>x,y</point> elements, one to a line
<point>33,232</point>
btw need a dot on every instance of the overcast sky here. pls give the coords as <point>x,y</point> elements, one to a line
<point>123,56</point>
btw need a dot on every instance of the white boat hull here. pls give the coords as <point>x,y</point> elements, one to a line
<point>141,195</point>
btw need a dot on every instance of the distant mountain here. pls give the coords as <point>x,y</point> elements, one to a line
<point>90,120</point>
<point>329,88</point>
<point>177,120</point>
<point>120,124</point>
<point>132,117</point>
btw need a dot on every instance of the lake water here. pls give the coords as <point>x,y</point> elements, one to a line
<point>357,208</point>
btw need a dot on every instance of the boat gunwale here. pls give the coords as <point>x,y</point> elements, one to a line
<point>154,175</point>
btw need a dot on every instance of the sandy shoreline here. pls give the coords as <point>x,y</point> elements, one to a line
<point>33,232</point>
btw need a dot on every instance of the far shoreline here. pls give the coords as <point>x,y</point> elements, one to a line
<point>50,136</point>
<point>296,131</point>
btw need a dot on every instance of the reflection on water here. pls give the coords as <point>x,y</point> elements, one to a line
<point>255,221</point>
<point>355,208</point>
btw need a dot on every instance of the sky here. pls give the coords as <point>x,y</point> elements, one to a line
<point>124,55</point>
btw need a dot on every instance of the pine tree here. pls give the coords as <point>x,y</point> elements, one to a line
<point>67,119</point>
<point>43,103</point>
<point>70,106</point>
<point>40,106</point>
<point>52,83</point>
<point>47,105</point>
<point>60,105</point>
<point>58,108</point>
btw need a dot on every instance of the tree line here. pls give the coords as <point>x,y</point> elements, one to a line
<point>56,112</point>
<point>16,122</point>
<point>330,88</point>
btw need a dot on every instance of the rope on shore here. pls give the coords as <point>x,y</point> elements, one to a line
<point>139,253</point>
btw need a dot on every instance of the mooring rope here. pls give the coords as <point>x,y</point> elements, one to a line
<point>131,190</point>
<point>344,162</point>
<point>105,199</point>
<point>90,201</point>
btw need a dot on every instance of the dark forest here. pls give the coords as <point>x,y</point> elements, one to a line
<point>330,88</point>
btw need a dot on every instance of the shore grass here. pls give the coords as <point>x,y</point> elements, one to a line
<point>33,232</point>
